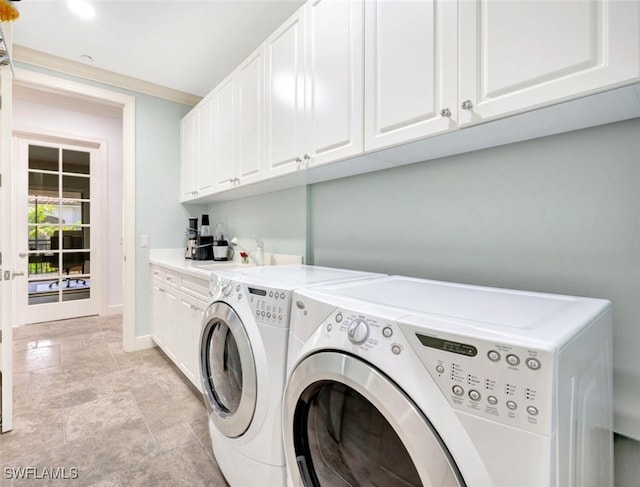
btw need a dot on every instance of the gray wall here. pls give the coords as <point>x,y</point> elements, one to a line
<point>158,210</point>
<point>558,214</point>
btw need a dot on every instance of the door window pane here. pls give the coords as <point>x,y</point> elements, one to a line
<point>43,184</point>
<point>75,187</point>
<point>75,161</point>
<point>43,158</point>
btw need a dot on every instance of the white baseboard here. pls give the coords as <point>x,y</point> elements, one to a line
<point>114,309</point>
<point>142,343</point>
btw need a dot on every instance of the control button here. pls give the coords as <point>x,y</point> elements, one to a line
<point>439,369</point>
<point>226,290</point>
<point>396,349</point>
<point>532,410</point>
<point>533,363</point>
<point>457,390</point>
<point>474,395</point>
<point>268,315</point>
<point>338,317</point>
<point>493,400</point>
<point>238,288</point>
<point>329,327</point>
<point>513,360</point>
<point>270,294</point>
<point>257,312</point>
<point>493,355</point>
<point>282,296</point>
<point>512,405</point>
<point>358,331</point>
<point>387,332</point>
<point>280,317</point>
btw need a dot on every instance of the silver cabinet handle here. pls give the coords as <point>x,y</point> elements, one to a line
<point>18,273</point>
<point>445,112</point>
<point>467,105</point>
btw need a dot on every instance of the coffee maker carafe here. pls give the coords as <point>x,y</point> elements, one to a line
<point>192,239</point>
<point>220,245</point>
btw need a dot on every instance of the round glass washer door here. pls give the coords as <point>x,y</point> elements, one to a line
<point>346,424</point>
<point>228,370</point>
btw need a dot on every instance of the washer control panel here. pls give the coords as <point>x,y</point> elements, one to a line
<point>268,305</point>
<point>498,381</point>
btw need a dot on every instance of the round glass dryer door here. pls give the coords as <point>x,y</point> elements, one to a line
<point>341,433</point>
<point>228,370</point>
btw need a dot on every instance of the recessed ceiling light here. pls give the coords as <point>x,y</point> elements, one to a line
<point>82,8</point>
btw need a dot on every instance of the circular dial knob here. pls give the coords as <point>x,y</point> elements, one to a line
<point>358,331</point>
<point>227,287</point>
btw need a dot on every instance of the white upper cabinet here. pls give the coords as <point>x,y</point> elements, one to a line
<point>250,118</point>
<point>196,146</point>
<point>334,81</point>
<point>224,133</point>
<point>188,155</point>
<point>204,173</point>
<point>411,79</point>
<point>519,55</point>
<point>284,95</point>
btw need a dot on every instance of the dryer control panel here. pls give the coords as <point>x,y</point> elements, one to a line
<point>507,383</point>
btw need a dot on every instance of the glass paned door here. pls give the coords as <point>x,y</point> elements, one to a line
<point>59,203</point>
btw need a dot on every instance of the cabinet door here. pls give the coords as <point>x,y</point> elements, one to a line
<point>191,312</point>
<point>169,325</point>
<point>188,154</point>
<point>204,178</point>
<point>411,71</point>
<point>284,78</point>
<point>516,56</point>
<point>223,134</point>
<point>334,81</point>
<point>250,122</point>
<point>157,321</point>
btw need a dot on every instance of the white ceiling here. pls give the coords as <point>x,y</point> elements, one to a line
<point>187,45</point>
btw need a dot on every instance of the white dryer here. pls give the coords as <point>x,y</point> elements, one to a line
<point>243,351</point>
<point>401,382</point>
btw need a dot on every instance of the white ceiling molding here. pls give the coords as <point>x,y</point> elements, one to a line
<point>41,59</point>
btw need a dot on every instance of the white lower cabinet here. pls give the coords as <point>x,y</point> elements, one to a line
<point>178,303</point>
<point>190,314</point>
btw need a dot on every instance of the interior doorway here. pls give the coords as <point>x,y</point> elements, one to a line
<point>60,195</point>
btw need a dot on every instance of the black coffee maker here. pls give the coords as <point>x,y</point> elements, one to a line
<point>204,247</point>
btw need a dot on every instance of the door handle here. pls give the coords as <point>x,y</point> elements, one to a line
<point>8,275</point>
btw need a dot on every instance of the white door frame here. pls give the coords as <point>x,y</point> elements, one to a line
<point>98,148</point>
<point>127,103</point>
<point>6,285</point>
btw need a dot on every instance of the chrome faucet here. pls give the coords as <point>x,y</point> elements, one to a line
<point>258,255</point>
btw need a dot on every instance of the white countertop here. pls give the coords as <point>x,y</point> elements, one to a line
<point>174,259</point>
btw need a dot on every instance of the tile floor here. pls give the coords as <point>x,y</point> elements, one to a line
<point>88,409</point>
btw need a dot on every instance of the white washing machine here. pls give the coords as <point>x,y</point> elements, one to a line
<point>243,351</point>
<point>405,382</point>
